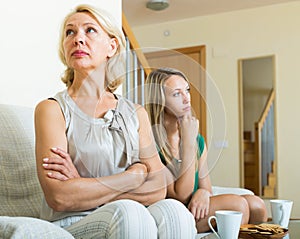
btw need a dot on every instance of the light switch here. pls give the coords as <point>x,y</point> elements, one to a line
<point>221,143</point>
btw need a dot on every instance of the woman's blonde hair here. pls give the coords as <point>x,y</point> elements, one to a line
<point>155,106</point>
<point>115,67</point>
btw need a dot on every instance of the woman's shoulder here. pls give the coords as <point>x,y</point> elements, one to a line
<point>124,101</point>
<point>49,107</point>
<point>53,100</point>
<point>132,108</point>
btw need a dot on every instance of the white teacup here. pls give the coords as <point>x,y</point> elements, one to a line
<point>228,224</point>
<point>281,211</point>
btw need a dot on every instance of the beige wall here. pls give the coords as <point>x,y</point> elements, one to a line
<point>30,67</point>
<point>245,34</point>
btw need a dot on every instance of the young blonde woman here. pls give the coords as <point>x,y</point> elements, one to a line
<point>183,151</point>
<point>96,157</point>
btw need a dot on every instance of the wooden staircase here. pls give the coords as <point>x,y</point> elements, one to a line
<point>269,191</point>
<point>252,171</point>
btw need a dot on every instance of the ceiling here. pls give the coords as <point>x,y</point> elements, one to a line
<point>137,14</point>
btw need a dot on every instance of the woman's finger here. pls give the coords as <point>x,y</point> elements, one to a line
<point>56,167</point>
<point>206,211</point>
<point>62,164</point>
<point>57,175</point>
<point>198,214</point>
<point>60,152</point>
<point>54,160</point>
<point>202,213</point>
<point>193,210</point>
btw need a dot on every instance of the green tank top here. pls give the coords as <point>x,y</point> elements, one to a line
<point>200,143</point>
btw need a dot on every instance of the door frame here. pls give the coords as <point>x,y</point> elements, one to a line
<point>241,112</point>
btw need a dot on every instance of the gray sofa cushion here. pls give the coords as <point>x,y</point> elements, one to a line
<point>20,191</point>
<point>30,228</point>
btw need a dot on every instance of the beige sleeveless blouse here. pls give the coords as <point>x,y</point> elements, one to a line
<point>98,146</point>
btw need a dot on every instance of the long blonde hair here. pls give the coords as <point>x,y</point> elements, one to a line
<point>155,106</point>
<point>115,67</point>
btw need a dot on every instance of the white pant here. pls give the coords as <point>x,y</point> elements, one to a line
<point>128,219</point>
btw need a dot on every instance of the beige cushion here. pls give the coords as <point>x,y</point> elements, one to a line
<point>30,228</point>
<point>20,191</point>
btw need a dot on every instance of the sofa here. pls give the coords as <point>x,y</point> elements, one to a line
<point>20,191</point>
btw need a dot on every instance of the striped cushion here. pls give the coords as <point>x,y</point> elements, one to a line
<point>20,192</point>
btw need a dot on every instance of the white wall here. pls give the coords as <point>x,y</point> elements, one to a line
<point>244,34</point>
<point>30,66</point>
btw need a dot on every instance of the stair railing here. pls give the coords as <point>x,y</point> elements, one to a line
<point>137,67</point>
<point>264,142</point>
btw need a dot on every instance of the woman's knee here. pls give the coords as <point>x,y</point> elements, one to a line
<point>256,203</point>
<point>173,219</point>
<point>170,207</point>
<point>126,219</point>
<point>131,211</point>
<point>231,202</point>
<point>242,206</point>
<point>257,207</point>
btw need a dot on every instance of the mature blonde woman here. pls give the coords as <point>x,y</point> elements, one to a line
<point>182,149</point>
<point>96,158</point>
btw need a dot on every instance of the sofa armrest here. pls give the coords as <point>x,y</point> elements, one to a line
<point>20,190</point>
<point>217,190</point>
<point>30,228</point>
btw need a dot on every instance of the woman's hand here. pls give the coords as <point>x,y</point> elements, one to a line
<point>188,128</point>
<point>199,204</point>
<point>140,172</point>
<point>61,167</point>
<point>138,168</point>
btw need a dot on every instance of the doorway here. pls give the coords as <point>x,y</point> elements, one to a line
<point>256,102</point>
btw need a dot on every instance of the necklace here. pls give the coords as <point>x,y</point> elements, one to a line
<point>177,160</point>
